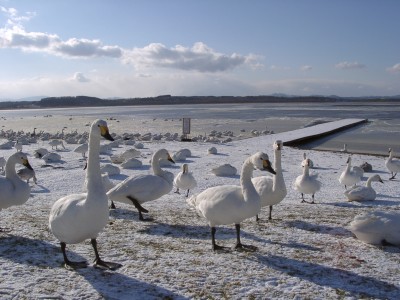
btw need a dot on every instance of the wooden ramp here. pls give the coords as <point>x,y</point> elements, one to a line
<point>303,135</point>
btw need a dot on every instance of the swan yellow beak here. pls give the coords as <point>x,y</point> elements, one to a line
<point>26,163</point>
<point>267,166</point>
<point>105,133</point>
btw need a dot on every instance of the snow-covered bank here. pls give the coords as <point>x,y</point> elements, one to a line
<point>305,252</point>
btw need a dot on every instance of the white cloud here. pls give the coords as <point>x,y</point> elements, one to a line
<point>345,65</point>
<point>306,68</point>
<point>394,69</point>
<point>79,77</point>
<point>197,58</point>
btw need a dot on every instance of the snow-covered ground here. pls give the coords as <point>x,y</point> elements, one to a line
<point>305,252</point>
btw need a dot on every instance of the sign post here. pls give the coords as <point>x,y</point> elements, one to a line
<point>186,129</point>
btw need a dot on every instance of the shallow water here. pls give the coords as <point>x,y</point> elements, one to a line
<point>375,137</point>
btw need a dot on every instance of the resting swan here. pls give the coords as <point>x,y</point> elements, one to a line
<point>392,164</point>
<point>143,188</point>
<point>13,190</point>
<point>77,217</point>
<point>349,176</point>
<point>272,190</point>
<point>185,180</point>
<point>306,183</point>
<point>377,227</point>
<point>363,193</point>
<point>227,204</point>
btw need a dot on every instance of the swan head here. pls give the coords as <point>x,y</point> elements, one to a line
<point>185,168</point>
<point>377,178</point>
<point>261,161</point>
<point>22,159</point>
<point>163,154</point>
<point>103,129</point>
<point>278,145</point>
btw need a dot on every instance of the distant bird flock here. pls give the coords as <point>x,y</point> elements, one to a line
<point>82,216</point>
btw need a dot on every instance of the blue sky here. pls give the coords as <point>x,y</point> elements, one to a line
<point>205,47</point>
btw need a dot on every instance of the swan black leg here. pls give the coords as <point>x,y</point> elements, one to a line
<point>71,264</point>
<point>214,245</point>
<point>238,242</point>
<point>187,194</point>
<point>98,262</point>
<point>257,218</point>
<point>177,191</point>
<point>112,206</point>
<point>270,213</point>
<point>139,207</point>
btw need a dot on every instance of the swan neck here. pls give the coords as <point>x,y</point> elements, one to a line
<point>368,183</point>
<point>277,180</point>
<point>306,170</point>
<point>10,170</point>
<point>93,174</point>
<point>155,165</point>
<point>248,189</point>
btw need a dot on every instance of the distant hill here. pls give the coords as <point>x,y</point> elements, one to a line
<point>84,101</point>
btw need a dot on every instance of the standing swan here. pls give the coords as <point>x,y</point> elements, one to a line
<point>363,193</point>
<point>272,190</point>
<point>13,190</point>
<point>143,188</point>
<point>392,164</point>
<point>349,176</point>
<point>227,204</point>
<point>184,180</point>
<point>77,217</point>
<point>306,183</point>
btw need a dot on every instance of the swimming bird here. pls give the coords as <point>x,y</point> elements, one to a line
<point>231,204</point>
<point>348,176</point>
<point>185,180</point>
<point>77,217</point>
<point>272,189</point>
<point>306,183</point>
<point>377,227</point>
<point>27,174</point>
<point>392,164</point>
<point>139,189</point>
<point>13,190</point>
<point>363,193</point>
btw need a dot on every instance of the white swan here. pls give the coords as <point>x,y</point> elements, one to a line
<point>143,188</point>
<point>27,174</point>
<point>306,183</point>
<point>82,149</point>
<point>392,164</point>
<point>224,170</point>
<point>231,204</point>
<point>77,217</point>
<point>363,193</point>
<point>377,227</point>
<point>272,189</point>
<point>13,190</point>
<point>348,176</point>
<point>185,180</point>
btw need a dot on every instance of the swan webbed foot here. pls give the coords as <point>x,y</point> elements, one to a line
<point>101,264</point>
<point>112,206</point>
<point>74,265</point>
<point>242,247</point>
<point>177,191</point>
<point>220,248</point>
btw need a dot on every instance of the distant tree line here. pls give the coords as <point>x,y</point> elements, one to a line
<point>85,101</point>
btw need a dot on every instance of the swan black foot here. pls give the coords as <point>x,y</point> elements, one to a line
<point>101,264</point>
<point>71,265</point>
<point>242,247</point>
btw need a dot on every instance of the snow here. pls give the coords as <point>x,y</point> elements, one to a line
<point>305,252</point>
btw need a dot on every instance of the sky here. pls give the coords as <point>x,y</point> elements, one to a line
<point>146,48</point>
